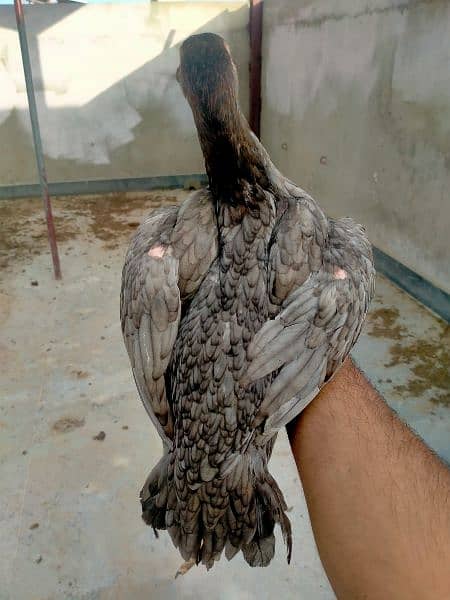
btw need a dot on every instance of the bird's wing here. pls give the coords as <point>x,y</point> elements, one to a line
<point>150,311</point>
<point>165,263</point>
<point>319,322</point>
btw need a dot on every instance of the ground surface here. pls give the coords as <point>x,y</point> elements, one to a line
<point>70,524</point>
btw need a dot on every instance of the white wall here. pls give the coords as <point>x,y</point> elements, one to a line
<point>108,101</point>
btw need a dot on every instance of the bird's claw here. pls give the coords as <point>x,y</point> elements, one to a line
<point>184,568</point>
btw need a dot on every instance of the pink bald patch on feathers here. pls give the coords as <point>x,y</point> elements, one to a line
<point>340,273</point>
<point>157,251</point>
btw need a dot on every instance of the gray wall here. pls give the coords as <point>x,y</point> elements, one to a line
<point>108,101</point>
<point>356,109</point>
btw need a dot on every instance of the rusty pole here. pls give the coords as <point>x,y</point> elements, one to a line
<point>255,29</point>
<point>37,136</point>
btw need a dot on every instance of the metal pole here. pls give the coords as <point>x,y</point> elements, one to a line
<point>256,28</point>
<point>37,136</point>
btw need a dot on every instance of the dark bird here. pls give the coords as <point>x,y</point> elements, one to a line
<point>236,308</point>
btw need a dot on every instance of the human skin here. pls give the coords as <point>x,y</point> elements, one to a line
<point>378,498</point>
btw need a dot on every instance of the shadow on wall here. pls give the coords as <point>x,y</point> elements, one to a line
<point>105,110</point>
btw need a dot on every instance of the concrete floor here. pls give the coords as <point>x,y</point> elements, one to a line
<point>70,522</point>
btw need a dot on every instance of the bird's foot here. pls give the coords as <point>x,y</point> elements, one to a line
<point>184,568</point>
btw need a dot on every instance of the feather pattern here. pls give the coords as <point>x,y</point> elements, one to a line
<point>236,308</point>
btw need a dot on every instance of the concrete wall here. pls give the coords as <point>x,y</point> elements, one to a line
<point>108,101</point>
<point>356,109</point>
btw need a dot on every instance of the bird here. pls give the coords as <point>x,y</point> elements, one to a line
<point>237,307</point>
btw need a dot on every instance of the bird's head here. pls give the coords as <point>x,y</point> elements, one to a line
<point>207,74</point>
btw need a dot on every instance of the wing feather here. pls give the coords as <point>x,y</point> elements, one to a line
<point>320,317</point>
<point>153,288</point>
<point>150,310</point>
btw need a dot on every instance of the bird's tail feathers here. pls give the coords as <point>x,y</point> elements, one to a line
<point>236,511</point>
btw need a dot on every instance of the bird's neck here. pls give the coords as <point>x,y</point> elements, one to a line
<point>235,160</point>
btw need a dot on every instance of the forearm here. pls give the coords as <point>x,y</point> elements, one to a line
<point>379,500</point>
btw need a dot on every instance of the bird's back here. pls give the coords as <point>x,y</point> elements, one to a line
<point>236,309</point>
<point>213,412</point>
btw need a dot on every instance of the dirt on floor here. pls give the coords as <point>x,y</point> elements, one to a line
<point>428,359</point>
<point>108,217</point>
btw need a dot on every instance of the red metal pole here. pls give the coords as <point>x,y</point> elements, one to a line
<point>256,28</point>
<point>37,136</point>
